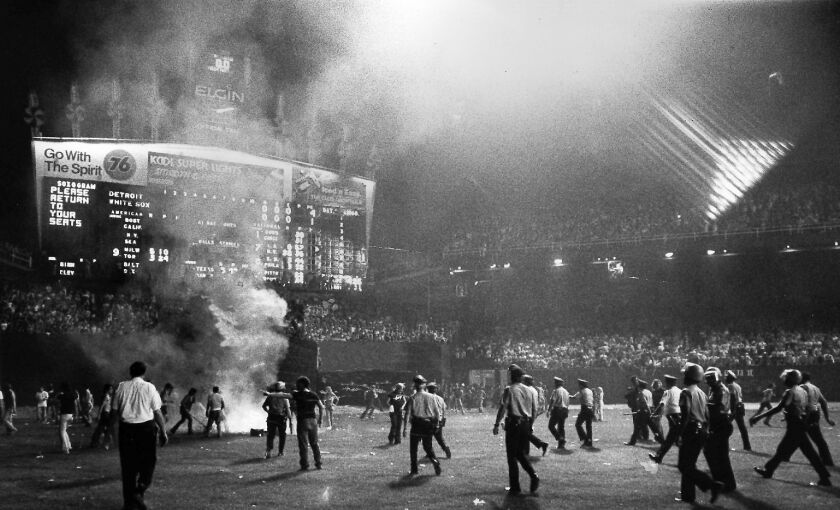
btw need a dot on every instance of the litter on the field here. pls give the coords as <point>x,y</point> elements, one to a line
<point>39,456</point>
<point>241,476</point>
<point>650,466</point>
<point>478,502</point>
<point>608,463</point>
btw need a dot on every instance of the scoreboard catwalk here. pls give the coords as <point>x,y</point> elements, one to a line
<point>130,208</point>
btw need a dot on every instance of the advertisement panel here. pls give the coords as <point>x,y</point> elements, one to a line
<point>312,186</point>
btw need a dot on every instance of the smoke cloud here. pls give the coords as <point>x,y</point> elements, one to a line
<point>227,335</point>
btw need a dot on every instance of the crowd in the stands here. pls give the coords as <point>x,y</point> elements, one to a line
<point>330,321</point>
<point>558,348</point>
<point>54,308</point>
<point>605,220</point>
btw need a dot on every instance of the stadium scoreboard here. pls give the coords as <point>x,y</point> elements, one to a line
<point>200,212</point>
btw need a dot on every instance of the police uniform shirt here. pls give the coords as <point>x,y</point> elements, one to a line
<point>718,402</point>
<point>735,394</point>
<point>587,399</point>
<point>814,396</point>
<point>519,401</point>
<point>135,401</point>
<point>559,398</point>
<point>696,402</point>
<point>671,401</point>
<point>424,405</point>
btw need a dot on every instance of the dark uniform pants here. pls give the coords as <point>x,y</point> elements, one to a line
<point>307,432</point>
<point>673,433</point>
<point>742,427</point>
<point>138,455</point>
<point>557,424</point>
<point>716,452</point>
<point>422,430</point>
<point>585,416</point>
<point>761,407</point>
<point>693,439</point>
<point>275,426</point>
<point>396,427</point>
<point>796,436</point>
<point>517,433</point>
<point>440,441</point>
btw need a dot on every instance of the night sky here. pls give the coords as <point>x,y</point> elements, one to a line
<point>525,103</point>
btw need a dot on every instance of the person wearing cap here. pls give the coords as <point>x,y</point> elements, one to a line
<point>632,398</point>
<point>558,409</point>
<point>518,408</point>
<point>277,409</point>
<point>396,408</point>
<point>694,429</point>
<point>794,403</point>
<point>432,388</point>
<point>669,406</point>
<point>306,401</point>
<point>528,381</point>
<point>642,416</point>
<point>587,403</point>
<point>736,400</point>
<point>716,449</point>
<point>816,401</point>
<point>424,416</point>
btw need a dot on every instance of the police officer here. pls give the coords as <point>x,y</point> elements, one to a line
<point>424,415</point>
<point>587,403</point>
<point>642,416</point>
<point>815,402</point>
<point>632,398</point>
<point>669,406</point>
<point>396,408</point>
<point>558,408</point>
<point>528,381</point>
<point>794,403</point>
<point>518,407</point>
<point>432,387</point>
<point>716,449</point>
<point>736,400</point>
<point>694,430</point>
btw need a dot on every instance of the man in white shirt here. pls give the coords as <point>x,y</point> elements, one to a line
<point>41,397</point>
<point>558,409</point>
<point>669,406</point>
<point>136,407</point>
<point>587,402</point>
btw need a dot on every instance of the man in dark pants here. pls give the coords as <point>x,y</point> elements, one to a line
<point>277,409</point>
<point>669,405</point>
<point>432,387</point>
<point>136,408</point>
<point>815,402</point>
<point>424,415</point>
<point>558,409</point>
<point>736,400</point>
<point>766,402</point>
<point>794,403</point>
<point>694,430</point>
<point>587,403</point>
<point>518,407</point>
<point>632,398</point>
<point>528,381</point>
<point>186,412</point>
<point>307,421</point>
<point>396,408</point>
<point>716,449</point>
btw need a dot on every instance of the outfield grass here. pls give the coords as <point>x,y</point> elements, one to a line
<point>362,471</point>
